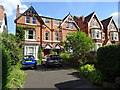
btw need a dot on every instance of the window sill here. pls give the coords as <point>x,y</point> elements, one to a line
<point>30,24</point>
<point>30,40</point>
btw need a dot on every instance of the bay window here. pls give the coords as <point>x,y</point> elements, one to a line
<point>96,34</point>
<point>114,36</point>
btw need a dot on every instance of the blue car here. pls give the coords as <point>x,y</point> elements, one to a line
<point>29,61</point>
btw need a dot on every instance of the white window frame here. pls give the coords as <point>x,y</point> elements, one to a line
<point>94,34</point>
<point>27,35</point>
<point>33,20</point>
<point>27,19</point>
<point>112,27</point>
<point>67,25</point>
<point>94,23</point>
<point>56,22</point>
<point>47,36</point>
<point>114,36</point>
<point>35,50</point>
<point>71,26</point>
<point>47,20</point>
<point>56,36</point>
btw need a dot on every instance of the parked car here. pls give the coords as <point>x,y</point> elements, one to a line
<point>52,60</point>
<point>29,61</point>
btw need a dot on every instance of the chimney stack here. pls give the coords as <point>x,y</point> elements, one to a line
<point>82,18</point>
<point>1,12</point>
<point>18,11</point>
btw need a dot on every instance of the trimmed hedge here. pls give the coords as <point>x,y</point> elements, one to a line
<point>108,61</point>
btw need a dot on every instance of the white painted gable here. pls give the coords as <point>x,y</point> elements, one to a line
<point>47,47</point>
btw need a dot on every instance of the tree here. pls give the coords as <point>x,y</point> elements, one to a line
<point>78,44</point>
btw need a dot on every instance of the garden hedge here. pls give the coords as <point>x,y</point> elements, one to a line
<point>108,61</point>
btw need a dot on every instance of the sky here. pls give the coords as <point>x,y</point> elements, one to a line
<point>60,9</point>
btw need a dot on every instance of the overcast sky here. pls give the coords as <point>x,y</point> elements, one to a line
<point>61,9</point>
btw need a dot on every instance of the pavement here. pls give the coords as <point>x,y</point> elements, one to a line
<point>55,77</point>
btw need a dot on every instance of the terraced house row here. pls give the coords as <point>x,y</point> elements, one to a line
<point>48,32</point>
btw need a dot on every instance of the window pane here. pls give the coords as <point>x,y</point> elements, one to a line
<point>27,19</point>
<point>56,22</point>
<point>47,20</point>
<point>46,35</point>
<point>67,26</point>
<point>34,20</point>
<point>71,25</point>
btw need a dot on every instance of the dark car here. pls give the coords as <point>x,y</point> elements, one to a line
<point>53,60</point>
<point>29,61</point>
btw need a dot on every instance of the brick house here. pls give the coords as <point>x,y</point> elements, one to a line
<point>3,20</point>
<point>47,32</point>
<point>103,32</point>
<point>111,31</point>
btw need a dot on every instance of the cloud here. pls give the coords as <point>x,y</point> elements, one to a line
<point>115,17</point>
<point>11,5</point>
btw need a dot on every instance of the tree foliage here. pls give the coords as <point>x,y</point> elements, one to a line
<point>78,43</point>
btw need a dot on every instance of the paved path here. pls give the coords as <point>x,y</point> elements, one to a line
<point>58,78</point>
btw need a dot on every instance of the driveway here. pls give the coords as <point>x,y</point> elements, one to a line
<point>54,77</point>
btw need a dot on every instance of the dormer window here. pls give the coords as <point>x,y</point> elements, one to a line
<point>34,20</point>
<point>47,20</point>
<point>56,22</point>
<point>94,23</point>
<point>27,19</point>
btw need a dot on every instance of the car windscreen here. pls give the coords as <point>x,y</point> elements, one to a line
<point>56,56</point>
<point>28,57</point>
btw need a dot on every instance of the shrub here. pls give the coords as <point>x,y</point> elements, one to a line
<point>65,57</point>
<point>40,53</point>
<point>92,74</point>
<point>38,61</point>
<point>12,76</point>
<point>108,61</point>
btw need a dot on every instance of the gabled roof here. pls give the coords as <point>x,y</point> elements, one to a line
<point>90,16</point>
<point>106,22</point>
<point>66,17</point>
<point>36,14</point>
<point>87,18</point>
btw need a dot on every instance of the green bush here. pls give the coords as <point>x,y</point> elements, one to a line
<point>12,76</point>
<point>38,61</point>
<point>92,74</point>
<point>65,57</point>
<point>108,61</point>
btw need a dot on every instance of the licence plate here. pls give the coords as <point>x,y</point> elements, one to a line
<point>28,61</point>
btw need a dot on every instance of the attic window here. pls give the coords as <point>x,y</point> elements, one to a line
<point>71,25</point>
<point>56,22</point>
<point>27,19</point>
<point>47,20</point>
<point>112,26</point>
<point>34,20</point>
<point>67,25</point>
<point>94,23</point>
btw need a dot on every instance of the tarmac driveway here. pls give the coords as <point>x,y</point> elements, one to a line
<point>55,77</point>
